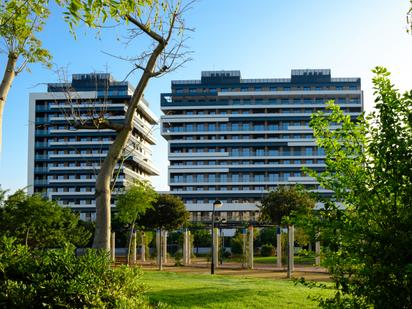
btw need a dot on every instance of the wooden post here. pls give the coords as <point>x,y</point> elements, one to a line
<point>143,248</point>
<point>113,245</point>
<point>250,255</point>
<point>291,250</point>
<point>278,247</point>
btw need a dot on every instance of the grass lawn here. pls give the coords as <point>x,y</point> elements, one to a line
<point>182,290</point>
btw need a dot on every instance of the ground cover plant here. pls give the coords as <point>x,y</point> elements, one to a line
<point>180,290</point>
<point>57,278</point>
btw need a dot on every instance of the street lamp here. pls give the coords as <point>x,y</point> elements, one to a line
<point>217,204</point>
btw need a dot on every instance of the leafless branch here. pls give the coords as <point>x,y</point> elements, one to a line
<point>146,29</point>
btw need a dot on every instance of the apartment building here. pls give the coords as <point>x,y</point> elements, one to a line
<point>63,161</point>
<point>235,139</point>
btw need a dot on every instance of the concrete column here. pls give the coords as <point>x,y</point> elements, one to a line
<point>164,251</point>
<point>134,248</point>
<point>113,247</point>
<point>216,246</point>
<point>143,248</point>
<point>250,255</point>
<point>244,248</point>
<point>189,247</point>
<point>158,249</point>
<point>185,247</point>
<point>317,251</point>
<point>291,249</point>
<point>279,247</point>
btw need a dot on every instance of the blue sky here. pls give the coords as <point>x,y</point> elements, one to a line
<point>262,39</point>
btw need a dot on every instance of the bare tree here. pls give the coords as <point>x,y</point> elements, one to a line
<point>165,28</point>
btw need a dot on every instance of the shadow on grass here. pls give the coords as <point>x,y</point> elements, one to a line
<point>202,297</point>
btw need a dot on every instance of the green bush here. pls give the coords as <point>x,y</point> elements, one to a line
<point>178,258</point>
<point>58,278</point>
<point>267,250</point>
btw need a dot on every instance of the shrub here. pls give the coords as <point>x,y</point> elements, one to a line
<point>267,250</point>
<point>58,278</point>
<point>178,258</point>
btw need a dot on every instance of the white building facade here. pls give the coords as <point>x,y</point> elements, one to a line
<point>236,139</point>
<point>63,161</point>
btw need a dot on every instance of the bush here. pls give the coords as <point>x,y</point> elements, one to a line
<point>178,258</point>
<point>58,278</point>
<point>267,250</point>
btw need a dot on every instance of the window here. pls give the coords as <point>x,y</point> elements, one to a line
<point>260,152</point>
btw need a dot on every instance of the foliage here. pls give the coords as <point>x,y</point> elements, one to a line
<point>40,223</point>
<point>277,205</point>
<point>20,21</point>
<point>135,201</point>
<point>178,256</point>
<point>237,242</point>
<point>302,238</point>
<point>96,13</point>
<point>132,204</point>
<point>57,278</point>
<point>368,166</point>
<point>267,250</point>
<point>267,235</point>
<point>168,212</point>
<point>201,236</point>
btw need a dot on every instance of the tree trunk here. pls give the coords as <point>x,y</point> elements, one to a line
<point>5,86</point>
<point>26,241</point>
<point>103,190</point>
<point>130,243</point>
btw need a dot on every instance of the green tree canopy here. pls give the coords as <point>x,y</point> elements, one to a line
<point>168,212</point>
<point>135,201</point>
<point>282,202</point>
<point>368,166</point>
<point>40,223</point>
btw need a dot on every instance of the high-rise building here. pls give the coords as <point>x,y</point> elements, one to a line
<point>235,139</point>
<point>64,160</point>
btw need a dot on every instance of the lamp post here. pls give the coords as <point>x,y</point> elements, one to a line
<point>217,204</point>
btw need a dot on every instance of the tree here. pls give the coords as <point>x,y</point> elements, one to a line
<point>201,235</point>
<point>368,166</point>
<point>40,223</point>
<point>163,25</point>
<point>20,22</point>
<point>133,203</point>
<point>168,213</point>
<point>277,205</point>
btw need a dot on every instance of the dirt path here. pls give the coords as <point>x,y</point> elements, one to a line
<point>234,269</point>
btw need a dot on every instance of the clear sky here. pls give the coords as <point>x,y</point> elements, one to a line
<point>262,39</point>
